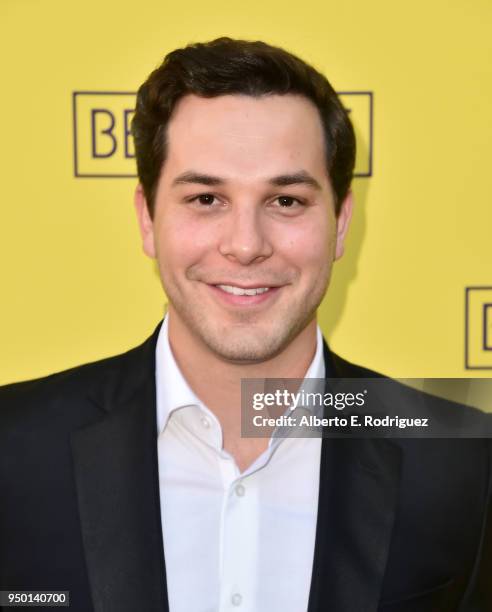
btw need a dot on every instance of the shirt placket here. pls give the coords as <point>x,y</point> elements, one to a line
<point>238,538</point>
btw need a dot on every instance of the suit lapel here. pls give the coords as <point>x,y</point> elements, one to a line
<point>359,480</point>
<point>116,473</point>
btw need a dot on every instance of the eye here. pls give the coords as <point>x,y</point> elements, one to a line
<point>286,201</point>
<point>289,202</point>
<point>207,199</point>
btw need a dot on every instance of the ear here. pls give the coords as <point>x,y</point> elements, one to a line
<point>145,222</point>
<point>343,222</point>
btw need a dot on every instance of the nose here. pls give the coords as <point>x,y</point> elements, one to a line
<point>245,238</point>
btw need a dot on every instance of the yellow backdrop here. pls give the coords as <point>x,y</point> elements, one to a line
<point>75,284</point>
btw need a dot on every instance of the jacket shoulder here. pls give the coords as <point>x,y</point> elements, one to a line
<point>342,368</point>
<point>92,382</point>
<point>77,377</point>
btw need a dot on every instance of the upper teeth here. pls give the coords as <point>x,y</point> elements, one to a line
<point>240,291</point>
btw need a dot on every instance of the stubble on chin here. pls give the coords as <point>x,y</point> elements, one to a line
<point>249,337</point>
<point>246,336</point>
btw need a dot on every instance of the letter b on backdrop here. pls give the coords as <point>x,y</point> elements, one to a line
<point>103,145</point>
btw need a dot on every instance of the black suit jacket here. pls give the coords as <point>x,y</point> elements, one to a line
<point>403,525</point>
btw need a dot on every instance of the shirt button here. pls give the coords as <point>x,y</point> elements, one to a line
<point>240,490</point>
<point>236,599</point>
<point>205,422</point>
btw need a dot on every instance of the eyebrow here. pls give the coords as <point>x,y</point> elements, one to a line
<point>282,180</point>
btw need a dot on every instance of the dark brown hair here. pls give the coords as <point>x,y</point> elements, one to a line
<point>226,66</point>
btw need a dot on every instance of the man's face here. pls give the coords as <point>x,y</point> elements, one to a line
<point>244,228</point>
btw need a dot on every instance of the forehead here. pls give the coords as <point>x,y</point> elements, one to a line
<point>245,136</point>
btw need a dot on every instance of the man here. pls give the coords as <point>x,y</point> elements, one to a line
<point>127,481</point>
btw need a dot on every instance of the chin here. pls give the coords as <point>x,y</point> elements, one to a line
<point>248,344</point>
<point>245,353</point>
<point>249,337</point>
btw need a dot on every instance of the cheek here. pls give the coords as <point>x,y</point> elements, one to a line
<point>308,245</point>
<point>182,242</point>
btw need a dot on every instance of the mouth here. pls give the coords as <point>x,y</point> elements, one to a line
<point>235,290</point>
<point>244,296</point>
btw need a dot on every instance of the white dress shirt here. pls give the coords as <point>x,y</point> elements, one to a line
<point>233,541</point>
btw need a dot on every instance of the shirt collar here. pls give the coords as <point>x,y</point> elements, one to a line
<point>174,392</point>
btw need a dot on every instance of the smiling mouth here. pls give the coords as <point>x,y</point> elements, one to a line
<point>251,297</point>
<point>234,290</point>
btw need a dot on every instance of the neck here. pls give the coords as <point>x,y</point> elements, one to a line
<point>217,382</point>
